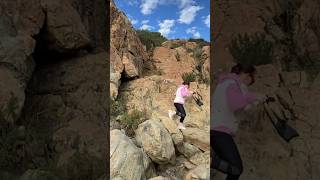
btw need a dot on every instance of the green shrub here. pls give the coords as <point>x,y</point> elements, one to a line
<point>201,42</point>
<point>173,46</point>
<point>116,107</point>
<point>150,39</point>
<point>199,57</point>
<point>131,120</point>
<point>189,77</point>
<point>189,50</point>
<point>252,49</point>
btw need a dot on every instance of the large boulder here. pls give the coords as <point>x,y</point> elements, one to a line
<point>175,171</point>
<point>64,34</point>
<point>156,141</point>
<point>126,160</point>
<point>116,68</point>
<point>127,43</point>
<point>201,172</point>
<point>16,69</point>
<point>188,150</point>
<point>197,137</point>
<point>172,128</point>
<point>75,105</point>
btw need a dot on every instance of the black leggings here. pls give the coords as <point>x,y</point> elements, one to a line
<point>180,111</point>
<point>226,155</point>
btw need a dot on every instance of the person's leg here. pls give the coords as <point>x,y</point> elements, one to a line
<point>226,152</point>
<point>180,111</point>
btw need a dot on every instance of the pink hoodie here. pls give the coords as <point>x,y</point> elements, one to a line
<point>181,93</point>
<point>229,97</point>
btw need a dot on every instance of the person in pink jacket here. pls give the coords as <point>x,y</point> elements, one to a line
<point>231,96</point>
<point>181,93</point>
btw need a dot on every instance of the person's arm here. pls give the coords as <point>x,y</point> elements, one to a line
<point>185,92</point>
<point>236,99</point>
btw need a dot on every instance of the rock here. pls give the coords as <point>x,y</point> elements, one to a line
<point>173,43</point>
<point>172,127</point>
<point>295,78</point>
<point>166,61</point>
<point>116,68</point>
<point>200,158</point>
<point>64,34</point>
<point>132,66</point>
<point>200,172</point>
<point>159,178</point>
<point>37,175</point>
<point>11,96</point>
<point>188,150</point>
<point>140,93</point>
<point>31,18</point>
<point>94,16</point>
<point>190,45</point>
<point>197,137</point>
<point>267,79</point>
<point>127,43</point>
<point>206,65</point>
<point>75,104</point>
<point>126,160</point>
<point>65,97</point>
<point>316,82</point>
<point>174,171</point>
<point>16,69</point>
<point>156,141</point>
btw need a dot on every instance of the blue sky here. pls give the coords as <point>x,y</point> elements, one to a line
<point>182,19</point>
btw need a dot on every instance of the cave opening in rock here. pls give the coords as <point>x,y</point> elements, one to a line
<point>45,54</point>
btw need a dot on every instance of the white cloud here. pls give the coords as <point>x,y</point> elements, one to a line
<point>207,21</point>
<point>145,22</point>
<point>132,2</point>
<point>185,3</point>
<point>148,5</point>
<point>165,26</point>
<point>188,14</point>
<point>146,27</point>
<point>194,32</point>
<point>132,20</point>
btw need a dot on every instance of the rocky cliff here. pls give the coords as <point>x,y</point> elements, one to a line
<point>53,89</point>
<point>293,27</point>
<point>145,142</point>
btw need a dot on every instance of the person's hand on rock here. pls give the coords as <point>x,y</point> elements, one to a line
<point>261,97</point>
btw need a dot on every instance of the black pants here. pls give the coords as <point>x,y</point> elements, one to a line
<point>180,111</point>
<point>226,155</point>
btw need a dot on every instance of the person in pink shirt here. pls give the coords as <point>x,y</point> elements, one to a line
<point>181,93</point>
<point>231,96</point>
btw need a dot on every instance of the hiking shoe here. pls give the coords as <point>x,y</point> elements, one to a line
<point>171,114</point>
<point>181,126</point>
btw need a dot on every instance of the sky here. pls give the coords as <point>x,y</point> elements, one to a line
<point>174,19</point>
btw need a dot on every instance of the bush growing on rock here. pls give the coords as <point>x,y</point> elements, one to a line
<point>252,49</point>
<point>200,42</point>
<point>131,120</point>
<point>173,46</point>
<point>150,39</point>
<point>188,77</point>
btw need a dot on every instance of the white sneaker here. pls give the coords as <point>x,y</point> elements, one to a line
<point>171,114</point>
<point>181,126</point>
